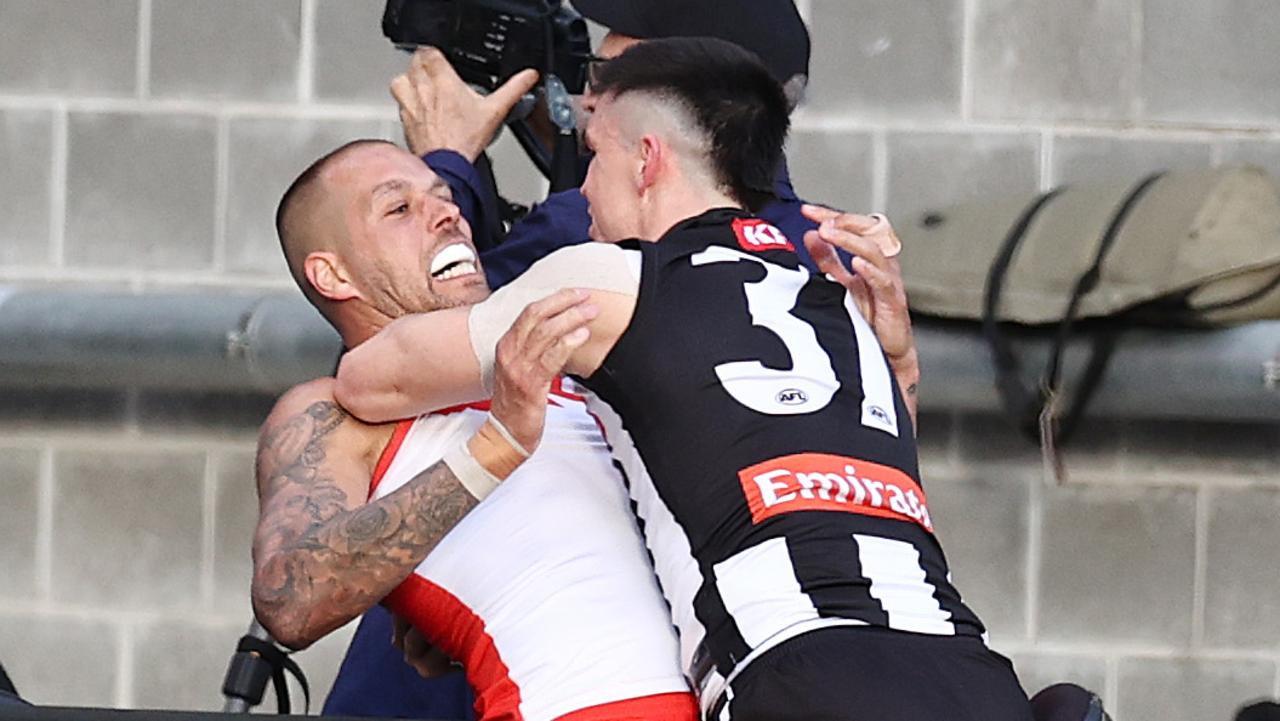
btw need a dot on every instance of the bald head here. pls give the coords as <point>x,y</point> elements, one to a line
<point>309,219</point>
<point>364,231</point>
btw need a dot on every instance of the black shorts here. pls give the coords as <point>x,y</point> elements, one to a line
<point>871,674</point>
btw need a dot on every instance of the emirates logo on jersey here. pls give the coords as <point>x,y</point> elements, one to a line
<point>825,482</point>
<point>757,235</point>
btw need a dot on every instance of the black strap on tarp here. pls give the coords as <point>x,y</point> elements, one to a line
<point>1037,413</point>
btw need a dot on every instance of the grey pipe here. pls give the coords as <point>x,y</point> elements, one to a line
<point>206,342</point>
<point>1227,374</point>
<point>268,342</point>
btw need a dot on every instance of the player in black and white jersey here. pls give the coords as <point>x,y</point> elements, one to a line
<point>764,442</point>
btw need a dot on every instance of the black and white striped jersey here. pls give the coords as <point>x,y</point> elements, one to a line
<point>767,451</point>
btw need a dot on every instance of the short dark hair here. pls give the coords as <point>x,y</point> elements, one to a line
<point>732,98</point>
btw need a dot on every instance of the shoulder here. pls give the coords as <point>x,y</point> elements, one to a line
<point>308,416</point>
<point>590,252</point>
<point>600,266</point>
<point>313,398</point>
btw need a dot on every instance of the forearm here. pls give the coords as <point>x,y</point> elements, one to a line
<point>906,370</point>
<point>417,364</point>
<point>337,568</point>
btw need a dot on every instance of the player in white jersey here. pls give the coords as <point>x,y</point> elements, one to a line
<point>539,584</point>
<point>513,606</point>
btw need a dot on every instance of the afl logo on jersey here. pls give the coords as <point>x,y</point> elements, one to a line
<point>792,397</point>
<point>756,235</point>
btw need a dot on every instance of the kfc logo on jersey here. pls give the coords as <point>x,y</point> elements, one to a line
<point>825,482</point>
<point>757,235</point>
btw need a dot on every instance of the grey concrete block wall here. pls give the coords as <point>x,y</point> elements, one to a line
<point>124,529</point>
<point>140,190</point>
<point>1210,62</point>
<point>932,170</point>
<point>834,168</point>
<point>20,489</point>
<point>887,59</point>
<point>353,60</point>
<point>145,143</point>
<point>1155,689</point>
<point>1082,159</point>
<point>61,660</point>
<point>242,49</point>
<point>1067,60</point>
<point>1243,608</point>
<point>26,143</point>
<point>1141,589</point>
<point>72,46</point>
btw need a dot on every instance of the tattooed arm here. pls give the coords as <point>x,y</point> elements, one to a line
<point>322,555</point>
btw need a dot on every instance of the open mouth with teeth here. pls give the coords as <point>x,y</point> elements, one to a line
<point>453,261</point>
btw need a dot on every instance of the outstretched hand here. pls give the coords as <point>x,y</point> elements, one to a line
<point>876,280</point>
<point>873,278</point>
<point>440,111</point>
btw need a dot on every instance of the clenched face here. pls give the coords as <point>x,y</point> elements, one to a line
<point>409,250</point>
<point>613,183</point>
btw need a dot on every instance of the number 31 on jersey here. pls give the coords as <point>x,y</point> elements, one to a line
<point>810,384</point>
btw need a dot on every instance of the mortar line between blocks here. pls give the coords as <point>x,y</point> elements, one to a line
<point>221,191</point>
<point>143,68</point>
<point>124,666</point>
<point>1199,588</point>
<point>1046,160</point>
<point>1035,544</point>
<point>208,540</point>
<point>1137,107</point>
<point>879,171</point>
<point>1112,685</point>
<point>307,51</point>
<point>58,189</point>
<point>967,21</point>
<point>802,120</point>
<point>45,491</point>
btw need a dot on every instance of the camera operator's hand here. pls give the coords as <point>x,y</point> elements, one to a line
<point>440,111</point>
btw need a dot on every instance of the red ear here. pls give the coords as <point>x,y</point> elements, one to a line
<point>653,154</point>
<point>325,273</point>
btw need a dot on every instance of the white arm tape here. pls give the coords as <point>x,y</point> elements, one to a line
<point>473,477</point>
<point>506,435</point>
<point>591,266</point>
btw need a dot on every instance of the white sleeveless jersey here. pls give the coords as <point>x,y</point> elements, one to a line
<point>544,591</point>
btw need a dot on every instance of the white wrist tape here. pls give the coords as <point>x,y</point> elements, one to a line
<point>473,477</point>
<point>506,435</point>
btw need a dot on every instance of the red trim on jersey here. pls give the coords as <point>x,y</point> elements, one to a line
<point>458,631</point>
<point>826,482</point>
<point>557,389</point>
<point>478,405</point>
<point>389,453</point>
<point>663,706</point>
